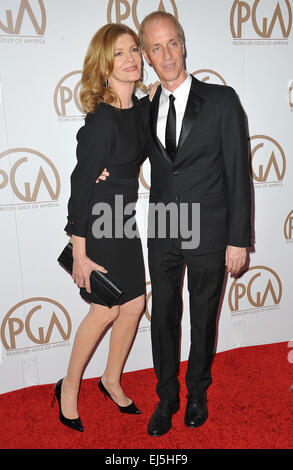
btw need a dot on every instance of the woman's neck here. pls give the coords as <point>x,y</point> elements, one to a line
<point>125,92</point>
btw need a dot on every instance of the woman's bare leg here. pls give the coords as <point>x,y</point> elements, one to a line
<point>122,335</point>
<point>87,335</point>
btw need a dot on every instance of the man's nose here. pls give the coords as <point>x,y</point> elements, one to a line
<point>167,53</point>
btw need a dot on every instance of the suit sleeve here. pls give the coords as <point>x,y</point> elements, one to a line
<point>235,149</point>
<point>92,153</point>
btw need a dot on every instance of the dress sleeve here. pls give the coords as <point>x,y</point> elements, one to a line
<point>92,153</point>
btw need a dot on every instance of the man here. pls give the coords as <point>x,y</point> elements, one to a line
<point>198,154</point>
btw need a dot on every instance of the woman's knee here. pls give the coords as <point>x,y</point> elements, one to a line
<point>134,308</point>
<point>104,314</point>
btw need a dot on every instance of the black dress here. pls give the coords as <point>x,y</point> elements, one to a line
<point>114,139</point>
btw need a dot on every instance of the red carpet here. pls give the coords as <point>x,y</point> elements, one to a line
<point>249,401</point>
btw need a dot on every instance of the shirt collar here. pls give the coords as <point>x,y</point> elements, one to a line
<point>180,92</point>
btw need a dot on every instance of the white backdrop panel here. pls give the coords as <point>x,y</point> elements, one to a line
<point>42,47</point>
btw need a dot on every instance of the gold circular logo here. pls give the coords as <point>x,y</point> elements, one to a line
<point>39,320</point>
<point>288,226</point>
<point>148,300</point>
<point>120,10</point>
<point>259,287</point>
<point>29,175</point>
<point>206,75</point>
<point>13,24</point>
<point>142,177</point>
<point>263,27</point>
<point>66,95</point>
<point>291,95</point>
<point>268,161</point>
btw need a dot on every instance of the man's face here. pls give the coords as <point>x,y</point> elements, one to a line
<point>164,50</point>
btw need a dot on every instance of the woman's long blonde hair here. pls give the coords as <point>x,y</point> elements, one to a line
<point>98,66</point>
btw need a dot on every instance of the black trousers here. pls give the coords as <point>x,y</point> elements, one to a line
<point>205,280</point>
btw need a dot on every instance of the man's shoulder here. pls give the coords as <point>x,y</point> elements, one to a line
<point>214,92</point>
<point>208,88</point>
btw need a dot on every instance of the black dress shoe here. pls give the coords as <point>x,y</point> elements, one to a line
<point>161,420</point>
<point>196,410</point>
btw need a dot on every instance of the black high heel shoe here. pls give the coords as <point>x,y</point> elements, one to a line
<point>75,424</point>
<point>130,409</point>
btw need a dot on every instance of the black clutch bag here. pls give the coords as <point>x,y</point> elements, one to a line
<point>101,285</point>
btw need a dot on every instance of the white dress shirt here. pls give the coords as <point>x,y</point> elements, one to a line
<point>181,96</point>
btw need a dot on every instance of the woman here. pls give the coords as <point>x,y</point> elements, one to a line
<point>114,137</point>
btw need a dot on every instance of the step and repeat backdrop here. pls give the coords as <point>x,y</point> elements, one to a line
<point>245,44</point>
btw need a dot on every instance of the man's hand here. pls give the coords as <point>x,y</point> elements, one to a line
<point>235,259</point>
<point>103,176</point>
<point>152,89</point>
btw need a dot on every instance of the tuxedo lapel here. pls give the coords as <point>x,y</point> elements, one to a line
<point>154,120</point>
<point>193,108</point>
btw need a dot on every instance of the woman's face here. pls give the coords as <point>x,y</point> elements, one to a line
<point>127,61</point>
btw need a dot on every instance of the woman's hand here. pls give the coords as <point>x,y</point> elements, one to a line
<point>103,176</point>
<point>82,265</point>
<point>81,270</point>
<point>152,89</point>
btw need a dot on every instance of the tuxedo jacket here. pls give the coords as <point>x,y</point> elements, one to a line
<point>211,166</point>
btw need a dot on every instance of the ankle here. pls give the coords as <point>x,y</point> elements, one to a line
<point>110,382</point>
<point>71,384</point>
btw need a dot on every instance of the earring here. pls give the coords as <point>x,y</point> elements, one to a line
<point>107,83</point>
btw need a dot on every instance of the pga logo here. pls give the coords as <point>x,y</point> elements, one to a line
<point>259,287</point>
<point>261,19</point>
<point>24,17</point>
<point>119,11</point>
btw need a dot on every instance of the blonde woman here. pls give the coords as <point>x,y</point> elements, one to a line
<point>114,136</point>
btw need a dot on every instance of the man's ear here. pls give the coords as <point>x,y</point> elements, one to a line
<point>183,48</point>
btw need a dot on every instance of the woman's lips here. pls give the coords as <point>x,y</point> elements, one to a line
<point>133,68</point>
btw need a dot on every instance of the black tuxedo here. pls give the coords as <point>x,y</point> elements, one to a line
<point>211,168</point>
